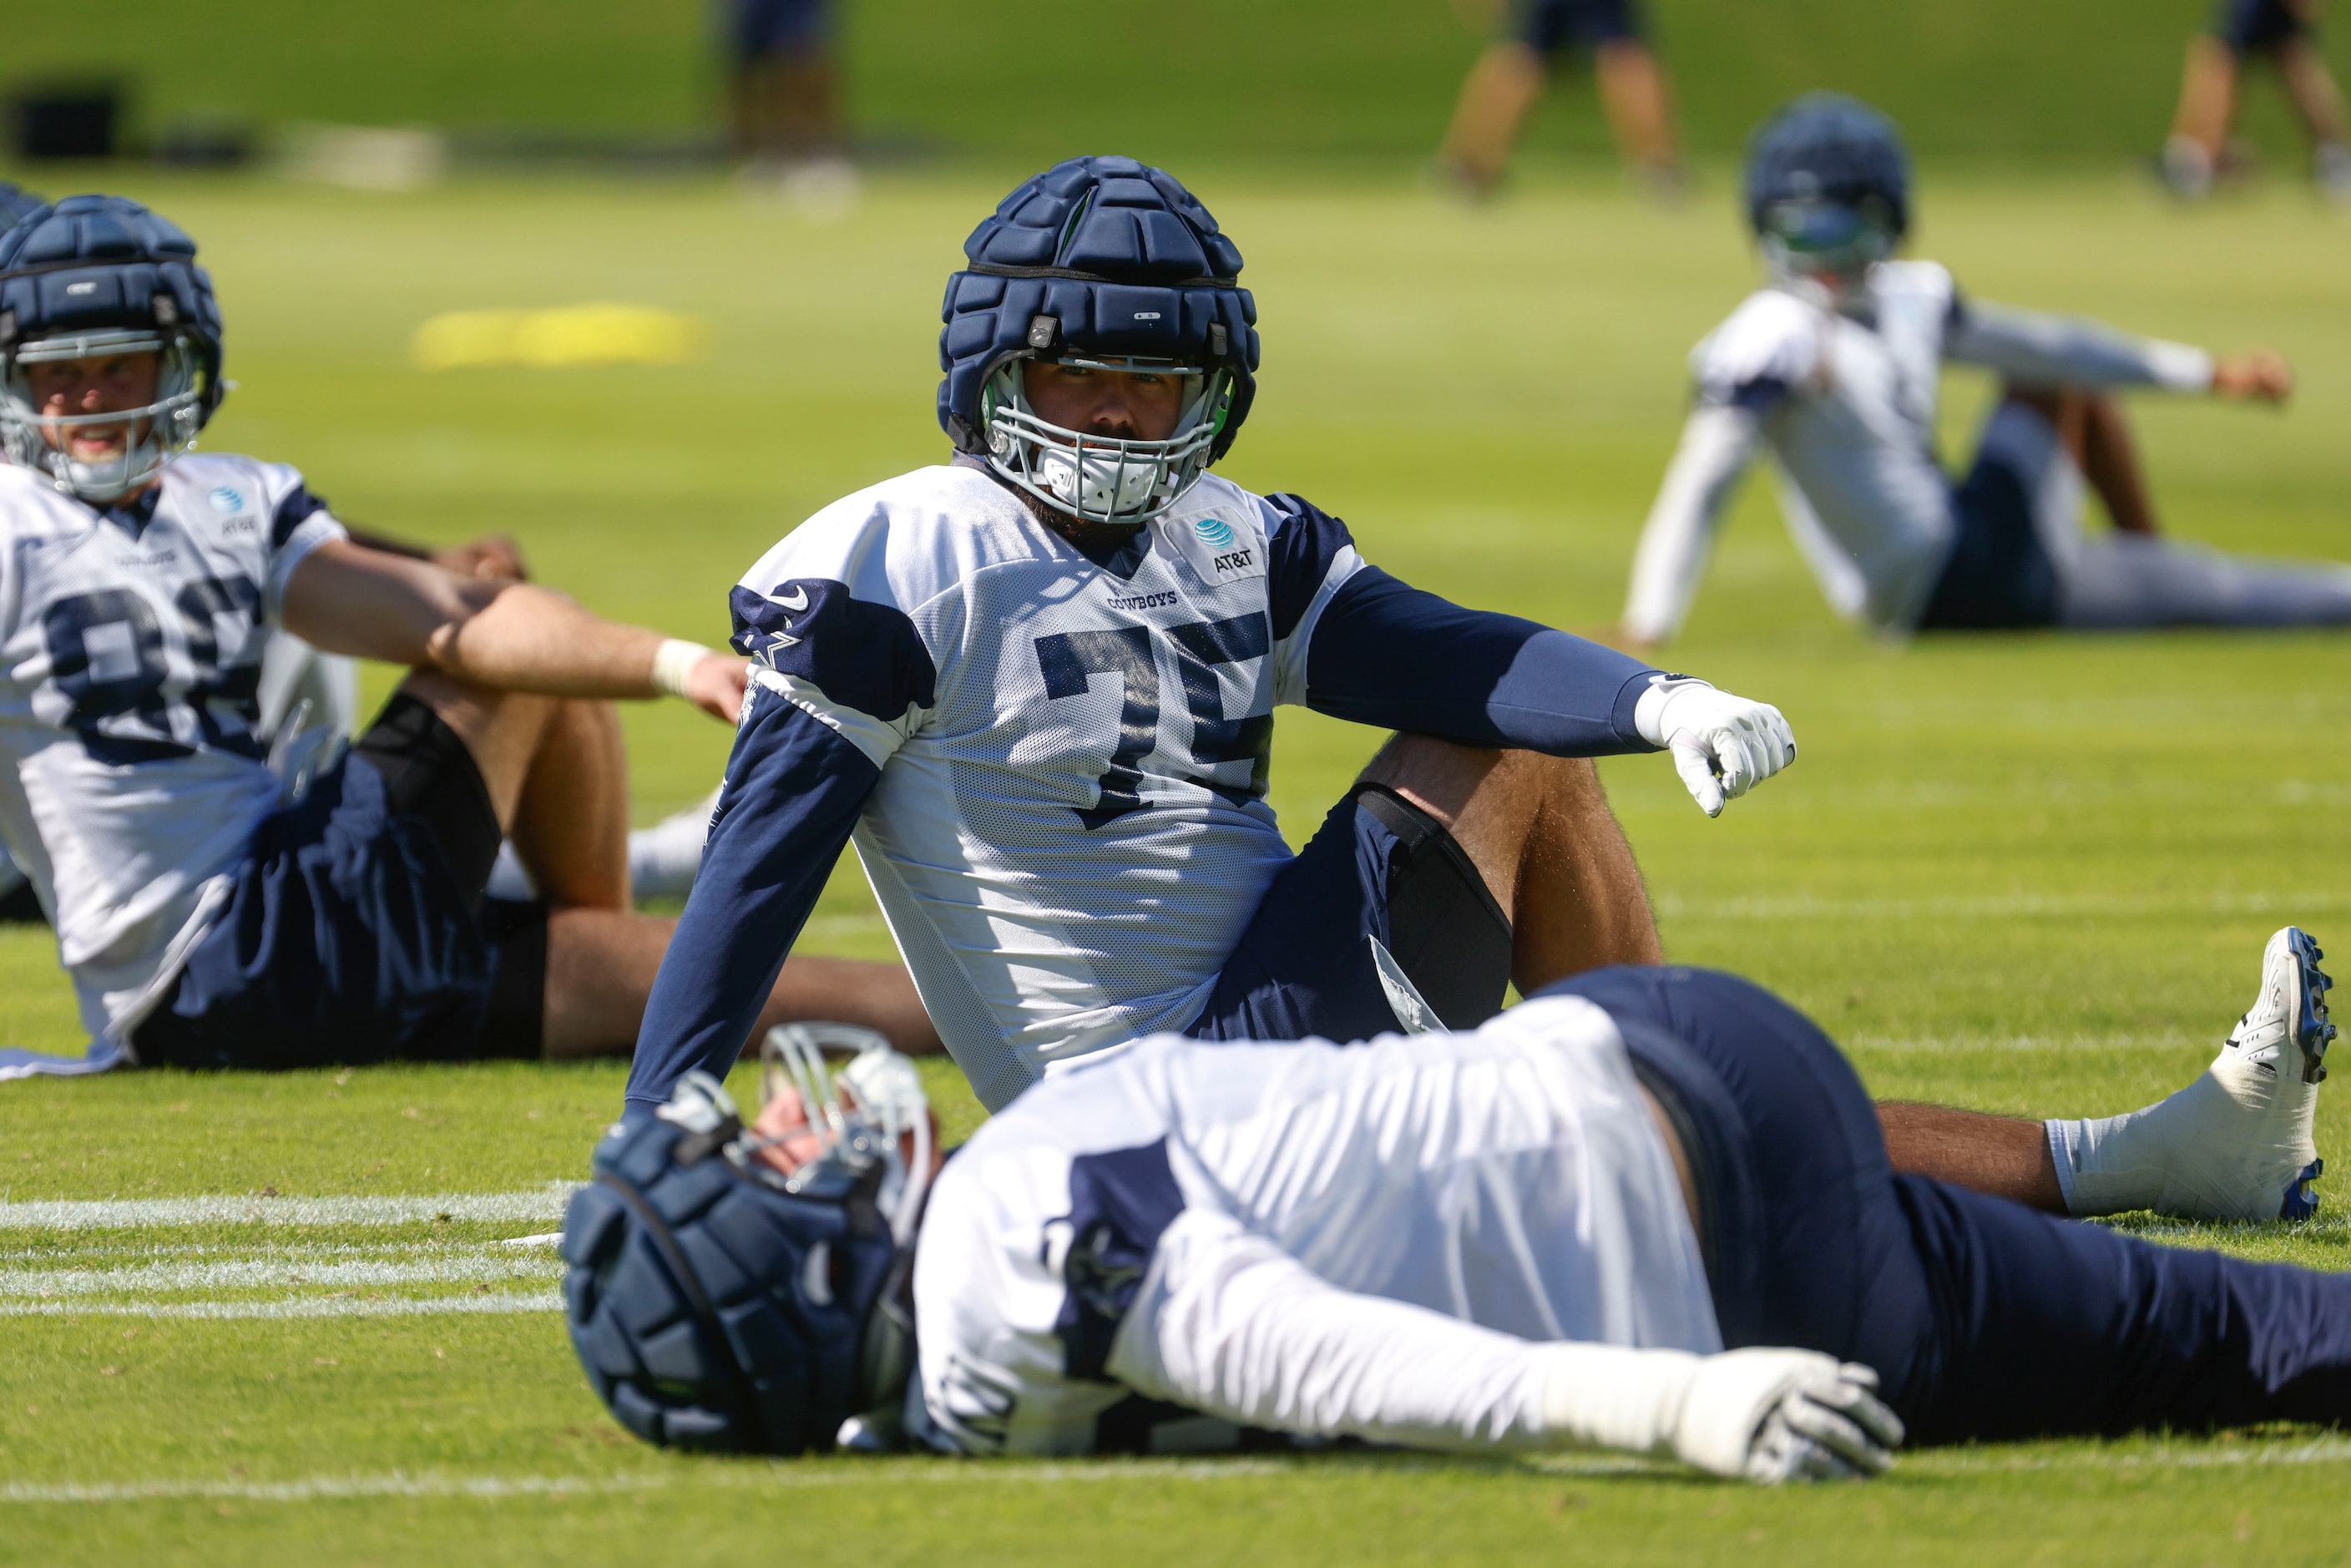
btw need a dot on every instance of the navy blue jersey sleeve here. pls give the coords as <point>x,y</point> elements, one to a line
<point>1391,655</point>
<point>793,790</point>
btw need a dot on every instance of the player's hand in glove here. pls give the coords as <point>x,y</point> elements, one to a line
<point>1723,745</point>
<point>1775,1415</point>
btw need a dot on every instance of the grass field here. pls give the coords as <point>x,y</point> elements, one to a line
<point>2093,80</point>
<point>265,1319</point>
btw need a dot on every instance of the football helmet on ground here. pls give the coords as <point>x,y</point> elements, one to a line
<point>717,1303</point>
<point>1106,264</point>
<point>91,276</point>
<point>1828,187</point>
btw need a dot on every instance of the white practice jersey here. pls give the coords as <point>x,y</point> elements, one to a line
<point>131,646</point>
<point>1370,1240</point>
<point>1046,903</point>
<point>1846,401</point>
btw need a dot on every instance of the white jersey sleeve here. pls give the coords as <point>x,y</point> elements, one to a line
<point>1770,348</point>
<point>1717,445</point>
<point>1228,1324</point>
<point>2033,347</point>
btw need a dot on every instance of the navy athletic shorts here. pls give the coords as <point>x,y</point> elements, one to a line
<point>1559,26</point>
<point>358,931</point>
<point>2000,576</point>
<point>1379,870</point>
<point>764,29</point>
<point>2261,26</point>
<point>1983,1319</point>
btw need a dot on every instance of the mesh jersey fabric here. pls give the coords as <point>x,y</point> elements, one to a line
<point>1510,1179</point>
<point>131,647</point>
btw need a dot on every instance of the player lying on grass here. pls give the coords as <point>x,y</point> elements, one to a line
<point>1037,687</point>
<point>1648,1209</point>
<point>221,905</point>
<point>1832,368</point>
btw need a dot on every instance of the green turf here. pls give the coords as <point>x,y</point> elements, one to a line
<point>2016,872</point>
<point>1040,80</point>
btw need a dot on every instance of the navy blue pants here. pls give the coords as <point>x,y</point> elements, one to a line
<point>1983,1319</point>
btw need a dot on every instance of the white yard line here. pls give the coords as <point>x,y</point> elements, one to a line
<point>535,1205</point>
<point>292,1307</point>
<point>443,1266</point>
<point>2002,906</point>
<point>786,1477</point>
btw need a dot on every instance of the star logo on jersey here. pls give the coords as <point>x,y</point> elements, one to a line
<point>765,645</point>
<point>224,501</point>
<point>1214,530</point>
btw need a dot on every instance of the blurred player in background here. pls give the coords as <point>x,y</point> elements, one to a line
<point>783,88</point>
<point>1508,79</point>
<point>1037,687</point>
<point>2285,33</point>
<point>1647,1210</point>
<point>222,904</point>
<point>1832,368</point>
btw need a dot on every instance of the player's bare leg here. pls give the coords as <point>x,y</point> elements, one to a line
<point>2005,1156</point>
<point>2097,437</point>
<point>1500,89</point>
<point>2319,101</point>
<point>1638,103</point>
<point>2208,101</point>
<point>565,758</point>
<point>1539,832</point>
<point>601,966</point>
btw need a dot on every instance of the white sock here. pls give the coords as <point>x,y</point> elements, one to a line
<point>2225,1148</point>
<point>2187,166</point>
<point>664,859</point>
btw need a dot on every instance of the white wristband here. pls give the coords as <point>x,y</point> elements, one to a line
<point>674,661</point>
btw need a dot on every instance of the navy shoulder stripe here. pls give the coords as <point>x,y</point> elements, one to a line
<point>298,506</point>
<point>1303,540</point>
<point>1121,1202</point>
<point>861,655</point>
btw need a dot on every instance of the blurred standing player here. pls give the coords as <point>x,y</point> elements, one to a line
<point>2285,32</point>
<point>218,904</point>
<point>1834,367</point>
<point>1509,78</point>
<point>784,96</point>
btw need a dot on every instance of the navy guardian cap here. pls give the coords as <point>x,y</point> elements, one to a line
<point>1110,264</point>
<point>1828,186</point>
<point>92,277</point>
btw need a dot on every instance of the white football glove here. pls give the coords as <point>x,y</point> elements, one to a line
<point>1776,1415</point>
<point>1723,745</point>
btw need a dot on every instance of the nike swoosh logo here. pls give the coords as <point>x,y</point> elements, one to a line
<point>795,602</point>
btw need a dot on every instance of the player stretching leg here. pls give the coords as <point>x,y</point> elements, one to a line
<point>1507,80</point>
<point>1648,1209</point>
<point>1037,687</point>
<point>1834,368</point>
<point>221,905</point>
<point>2285,32</point>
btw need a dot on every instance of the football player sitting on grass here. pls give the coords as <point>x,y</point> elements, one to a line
<point>1648,1209</point>
<point>1037,687</point>
<point>1832,368</point>
<point>221,905</point>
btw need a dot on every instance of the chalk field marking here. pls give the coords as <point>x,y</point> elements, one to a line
<point>288,1307</point>
<point>535,1205</point>
<point>2002,906</point>
<point>439,1266</point>
<point>396,1483</point>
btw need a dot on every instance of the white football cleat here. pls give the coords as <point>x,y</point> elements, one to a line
<point>2235,1145</point>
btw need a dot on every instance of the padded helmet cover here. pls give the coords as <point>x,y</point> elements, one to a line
<point>1828,148</point>
<point>1098,256</point>
<point>711,1311</point>
<point>95,262</point>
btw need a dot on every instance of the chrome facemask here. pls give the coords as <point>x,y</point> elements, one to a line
<point>1103,478</point>
<point>1806,242</point>
<point>155,434</point>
